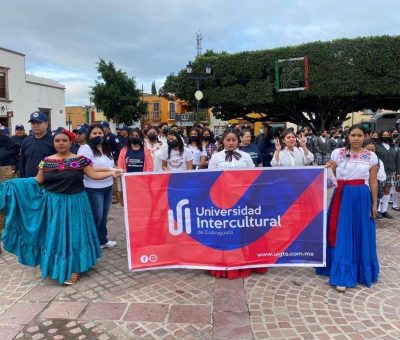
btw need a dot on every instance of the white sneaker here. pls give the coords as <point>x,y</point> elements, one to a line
<point>341,289</point>
<point>109,244</point>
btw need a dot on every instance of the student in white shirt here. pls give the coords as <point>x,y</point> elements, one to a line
<point>230,156</point>
<point>197,149</point>
<point>176,157</point>
<point>99,192</point>
<point>288,152</point>
<point>155,147</point>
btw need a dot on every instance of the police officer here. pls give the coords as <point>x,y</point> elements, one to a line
<point>124,134</point>
<point>20,134</point>
<point>36,147</point>
<point>80,133</point>
<point>112,140</point>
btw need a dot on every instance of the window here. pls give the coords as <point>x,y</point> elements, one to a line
<point>3,84</point>
<point>171,111</point>
<point>156,111</point>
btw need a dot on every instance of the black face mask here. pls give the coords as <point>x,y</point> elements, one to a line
<point>193,139</point>
<point>152,137</point>
<point>165,130</point>
<point>395,136</point>
<point>385,139</point>
<point>376,140</point>
<point>134,140</point>
<point>173,144</point>
<point>206,138</point>
<point>97,140</point>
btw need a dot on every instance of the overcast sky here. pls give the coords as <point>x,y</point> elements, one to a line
<point>63,40</point>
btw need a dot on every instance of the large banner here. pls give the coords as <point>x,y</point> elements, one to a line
<point>226,219</point>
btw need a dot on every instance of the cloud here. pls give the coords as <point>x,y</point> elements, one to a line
<point>149,40</point>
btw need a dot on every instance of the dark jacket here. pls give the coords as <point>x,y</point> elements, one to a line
<point>115,145</point>
<point>9,150</point>
<point>266,148</point>
<point>33,150</point>
<point>390,158</point>
<point>322,147</point>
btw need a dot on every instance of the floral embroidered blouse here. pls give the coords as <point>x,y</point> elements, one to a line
<point>64,175</point>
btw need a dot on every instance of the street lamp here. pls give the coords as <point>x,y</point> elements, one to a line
<point>198,94</point>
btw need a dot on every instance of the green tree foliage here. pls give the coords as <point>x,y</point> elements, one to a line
<point>116,94</point>
<point>345,75</point>
<point>153,88</point>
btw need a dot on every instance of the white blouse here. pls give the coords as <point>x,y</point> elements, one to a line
<point>218,161</point>
<point>156,151</point>
<point>353,165</point>
<point>292,158</point>
<point>177,161</point>
<point>197,154</point>
<point>98,162</point>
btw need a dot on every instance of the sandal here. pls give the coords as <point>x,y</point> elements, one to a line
<point>73,280</point>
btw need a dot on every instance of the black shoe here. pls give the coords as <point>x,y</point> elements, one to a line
<point>379,215</point>
<point>396,208</point>
<point>387,215</point>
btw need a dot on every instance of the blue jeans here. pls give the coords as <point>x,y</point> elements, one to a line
<point>100,200</point>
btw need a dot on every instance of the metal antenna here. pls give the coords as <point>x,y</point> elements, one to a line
<point>199,38</point>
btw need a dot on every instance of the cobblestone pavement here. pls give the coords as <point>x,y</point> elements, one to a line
<point>108,302</point>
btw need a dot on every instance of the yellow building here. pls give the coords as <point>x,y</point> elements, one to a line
<point>160,109</point>
<point>75,115</point>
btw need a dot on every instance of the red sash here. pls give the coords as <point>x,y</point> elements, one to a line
<point>337,198</point>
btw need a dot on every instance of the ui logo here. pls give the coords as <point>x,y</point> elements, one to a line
<point>180,221</point>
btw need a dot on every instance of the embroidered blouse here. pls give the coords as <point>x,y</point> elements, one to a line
<point>64,175</point>
<point>353,165</point>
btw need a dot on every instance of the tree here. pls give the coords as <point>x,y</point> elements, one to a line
<point>345,75</point>
<point>153,88</point>
<point>116,94</point>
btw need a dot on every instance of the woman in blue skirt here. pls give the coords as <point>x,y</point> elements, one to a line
<point>351,246</point>
<point>48,217</point>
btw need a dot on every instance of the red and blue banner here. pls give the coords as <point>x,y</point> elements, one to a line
<point>227,219</point>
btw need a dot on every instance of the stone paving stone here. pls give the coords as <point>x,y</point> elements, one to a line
<point>193,314</point>
<point>229,284</point>
<point>146,312</point>
<point>104,311</point>
<point>21,312</point>
<point>43,293</point>
<point>63,310</point>
<point>8,332</point>
<point>230,301</point>
<point>231,325</point>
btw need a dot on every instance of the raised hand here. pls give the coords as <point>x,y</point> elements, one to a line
<point>278,146</point>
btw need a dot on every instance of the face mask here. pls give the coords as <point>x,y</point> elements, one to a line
<point>385,140</point>
<point>152,137</point>
<point>173,144</point>
<point>97,140</point>
<point>134,140</point>
<point>395,136</point>
<point>206,138</point>
<point>376,140</point>
<point>193,138</point>
<point>165,130</point>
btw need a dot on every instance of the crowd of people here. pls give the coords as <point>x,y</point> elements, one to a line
<point>57,169</point>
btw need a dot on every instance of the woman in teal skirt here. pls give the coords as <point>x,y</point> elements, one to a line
<point>48,217</point>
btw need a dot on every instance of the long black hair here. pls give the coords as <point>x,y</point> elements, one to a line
<point>199,143</point>
<point>178,139</point>
<point>140,133</point>
<point>226,133</point>
<point>353,127</point>
<point>105,146</point>
<point>212,139</point>
<point>380,135</point>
